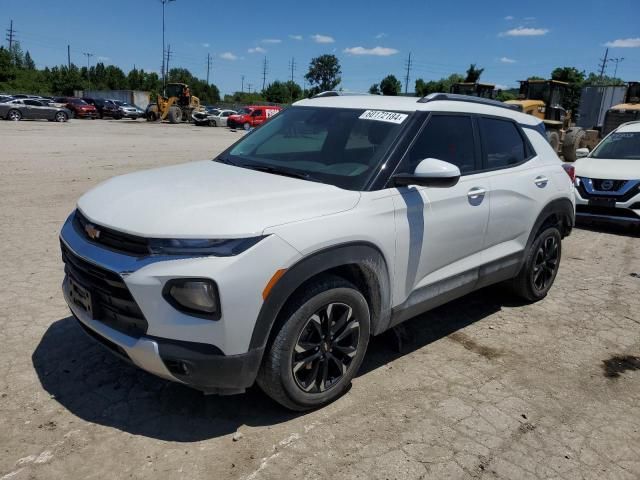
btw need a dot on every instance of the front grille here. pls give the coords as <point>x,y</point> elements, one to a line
<point>112,239</point>
<point>608,193</point>
<point>608,211</point>
<point>112,302</point>
<point>106,342</point>
<point>617,184</point>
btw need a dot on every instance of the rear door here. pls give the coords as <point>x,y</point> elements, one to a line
<point>257,116</point>
<point>519,186</point>
<point>441,231</point>
<point>32,109</point>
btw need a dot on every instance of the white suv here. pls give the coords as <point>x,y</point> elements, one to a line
<point>608,178</point>
<point>336,220</point>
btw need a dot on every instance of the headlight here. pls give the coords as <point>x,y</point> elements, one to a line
<point>195,296</point>
<point>204,247</point>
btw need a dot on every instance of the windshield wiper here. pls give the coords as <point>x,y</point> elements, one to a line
<point>228,161</point>
<point>278,171</point>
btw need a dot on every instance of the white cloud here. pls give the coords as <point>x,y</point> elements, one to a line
<point>381,35</point>
<point>257,50</point>
<point>228,56</point>
<point>624,43</point>
<point>322,38</point>
<point>295,37</point>
<point>271,40</point>
<point>509,17</point>
<point>206,45</point>
<point>377,51</point>
<point>507,60</point>
<point>529,19</point>
<point>525,32</point>
<point>103,59</point>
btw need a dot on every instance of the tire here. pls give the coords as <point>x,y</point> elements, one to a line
<point>554,140</point>
<point>212,123</point>
<point>14,115</point>
<point>541,266</point>
<point>246,126</point>
<point>175,114</point>
<point>326,368</point>
<point>61,117</point>
<point>572,141</point>
<point>151,116</point>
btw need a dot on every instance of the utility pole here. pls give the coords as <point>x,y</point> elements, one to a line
<point>165,67</point>
<point>603,65</point>
<point>264,73</point>
<point>167,64</point>
<point>292,66</point>
<point>249,85</point>
<point>208,66</point>
<point>617,61</point>
<point>406,79</point>
<point>242,89</point>
<point>69,57</point>
<point>11,35</point>
<point>88,55</point>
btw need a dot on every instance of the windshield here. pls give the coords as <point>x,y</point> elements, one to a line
<point>244,111</point>
<point>77,101</point>
<point>622,146</point>
<point>341,147</point>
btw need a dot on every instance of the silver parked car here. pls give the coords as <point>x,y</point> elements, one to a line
<point>213,118</point>
<point>33,110</point>
<point>129,111</point>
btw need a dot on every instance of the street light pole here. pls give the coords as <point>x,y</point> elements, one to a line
<point>164,73</point>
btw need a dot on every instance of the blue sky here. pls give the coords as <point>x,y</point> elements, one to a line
<point>510,39</point>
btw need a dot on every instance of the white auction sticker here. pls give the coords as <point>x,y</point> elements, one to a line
<point>391,117</point>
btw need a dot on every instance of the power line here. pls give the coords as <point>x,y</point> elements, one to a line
<point>264,72</point>
<point>617,61</point>
<point>603,65</point>
<point>406,80</point>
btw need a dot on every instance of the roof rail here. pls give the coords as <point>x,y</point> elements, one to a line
<point>336,93</point>
<point>454,97</point>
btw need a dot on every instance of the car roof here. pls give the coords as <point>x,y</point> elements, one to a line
<point>631,127</point>
<point>461,104</point>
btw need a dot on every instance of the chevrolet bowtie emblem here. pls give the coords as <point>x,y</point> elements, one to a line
<point>92,232</point>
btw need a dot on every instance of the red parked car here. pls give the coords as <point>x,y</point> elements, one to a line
<point>79,107</point>
<point>252,116</point>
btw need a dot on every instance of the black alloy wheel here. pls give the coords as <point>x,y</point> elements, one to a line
<point>545,264</point>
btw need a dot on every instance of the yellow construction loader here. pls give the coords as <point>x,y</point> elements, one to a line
<point>484,90</point>
<point>177,106</point>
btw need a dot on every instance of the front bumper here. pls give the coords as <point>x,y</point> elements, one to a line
<point>624,207</point>
<point>212,356</point>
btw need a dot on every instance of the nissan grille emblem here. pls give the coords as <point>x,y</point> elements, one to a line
<point>92,232</point>
<point>607,184</point>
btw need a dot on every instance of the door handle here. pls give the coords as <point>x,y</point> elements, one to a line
<point>541,181</point>
<point>476,196</point>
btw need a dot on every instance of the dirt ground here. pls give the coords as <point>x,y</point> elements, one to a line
<point>484,387</point>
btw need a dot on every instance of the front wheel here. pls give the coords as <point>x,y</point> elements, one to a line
<point>247,126</point>
<point>541,266</point>
<point>319,348</point>
<point>61,117</point>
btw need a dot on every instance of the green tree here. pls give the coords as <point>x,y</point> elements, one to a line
<point>443,85</point>
<point>594,79</point>
<point>374,89</point>
<point>390,85</point>
<point>7,72</point>
<point>535,77</point>
<point>473,73</point>
<point>29,64</point>
<point>282,92</point>
<point>324,73</point>
<point>504,95</point>
<point>575,78</point>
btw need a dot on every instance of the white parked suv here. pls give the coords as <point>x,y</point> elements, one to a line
<point>336,220</point>
<point>608,178</point>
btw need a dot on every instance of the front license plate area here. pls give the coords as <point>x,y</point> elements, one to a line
<point>80,296</point>
<point>602,202</point>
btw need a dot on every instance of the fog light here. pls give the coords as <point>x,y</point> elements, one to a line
<point>195,296</point>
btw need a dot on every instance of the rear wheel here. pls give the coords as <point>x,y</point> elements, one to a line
<point>554,140</point>
<point>573,139</point>
<point>175,114</point>
<point>246,125</point>
<point>319,348</point>
<point>61,117</point>
<point>541,266</point>
<point>212,123</point>
<point>14,115</point>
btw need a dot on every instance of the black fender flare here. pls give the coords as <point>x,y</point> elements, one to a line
<point>366,256</point>
<point>565,212</point>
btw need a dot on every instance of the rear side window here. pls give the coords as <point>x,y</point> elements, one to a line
<point>503,144</point>
<point>257,113</point>
<point>445,137</point>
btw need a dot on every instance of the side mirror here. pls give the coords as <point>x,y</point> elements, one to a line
<point>582,152</point>
<point>430,172</point>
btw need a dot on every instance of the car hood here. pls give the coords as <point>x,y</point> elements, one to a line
<point>608,169</point>
<point>208,200</point>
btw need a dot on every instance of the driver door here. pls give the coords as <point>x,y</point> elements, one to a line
<point>441,231</point>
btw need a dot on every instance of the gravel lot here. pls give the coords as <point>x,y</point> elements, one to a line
<point>484,387</point>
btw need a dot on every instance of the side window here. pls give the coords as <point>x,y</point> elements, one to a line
<point>445,137</point>
<point>257,113</point>
<point>32,103</point>
<point>503,144</point>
